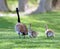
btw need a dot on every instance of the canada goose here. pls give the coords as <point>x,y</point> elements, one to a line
<point>20,27</point>
<point>31,33</point>
<point>49,32</point>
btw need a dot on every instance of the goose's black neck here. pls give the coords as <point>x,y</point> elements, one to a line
<point>17,11</point>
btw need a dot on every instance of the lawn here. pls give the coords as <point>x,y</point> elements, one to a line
<point>9,38</point>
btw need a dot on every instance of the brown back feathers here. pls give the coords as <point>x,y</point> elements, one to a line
<point>22,28</point>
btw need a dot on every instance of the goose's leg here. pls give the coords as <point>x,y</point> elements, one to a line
<point>23,34</point>
<point>19,34</point>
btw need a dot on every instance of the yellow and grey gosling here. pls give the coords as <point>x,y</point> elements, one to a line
<point>31,33</point>
<point>49,32</point>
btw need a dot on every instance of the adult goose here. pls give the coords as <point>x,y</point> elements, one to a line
<point>20,27</point>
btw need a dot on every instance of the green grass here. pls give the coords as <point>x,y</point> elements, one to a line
<point>9,38</point>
